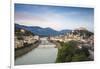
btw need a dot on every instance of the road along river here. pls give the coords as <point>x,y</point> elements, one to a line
<point>44,53</point>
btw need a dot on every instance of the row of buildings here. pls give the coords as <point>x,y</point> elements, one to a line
<point>67,37</point>
<point>21,40</point>
<point>70,36</point>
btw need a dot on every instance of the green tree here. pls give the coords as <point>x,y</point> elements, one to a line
<point>71,53</point>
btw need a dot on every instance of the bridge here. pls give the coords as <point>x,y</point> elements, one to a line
<point>45,43</point>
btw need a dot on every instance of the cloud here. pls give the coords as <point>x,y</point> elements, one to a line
<point>42,21</point>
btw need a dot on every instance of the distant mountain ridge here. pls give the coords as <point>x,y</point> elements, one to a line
<point>42,31</point>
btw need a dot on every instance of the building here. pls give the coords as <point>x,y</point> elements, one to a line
<point>18,43</point>
<point>36,37</point>
<point>26,39</point>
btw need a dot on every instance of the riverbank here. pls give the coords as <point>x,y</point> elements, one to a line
<point>69,52</point>
<point>57,44</point>
<point>21,51</point>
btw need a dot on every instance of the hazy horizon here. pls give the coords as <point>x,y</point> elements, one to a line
<point>57,18</point>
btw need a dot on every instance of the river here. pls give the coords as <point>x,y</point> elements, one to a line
<point>44,53</point>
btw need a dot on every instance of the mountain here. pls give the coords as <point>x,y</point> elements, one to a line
<point>42,31</point>
<point>65,31</point>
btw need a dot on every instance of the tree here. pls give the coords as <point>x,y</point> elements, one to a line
<point>70,53</point>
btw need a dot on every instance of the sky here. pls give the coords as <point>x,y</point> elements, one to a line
<point>55,17</point>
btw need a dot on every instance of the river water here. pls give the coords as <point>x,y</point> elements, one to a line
<point>45,53</point>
